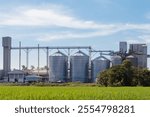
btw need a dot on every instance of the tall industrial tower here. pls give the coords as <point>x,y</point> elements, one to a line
<point>123,47</point>
<point>6,43</point>
<point>140,52</point>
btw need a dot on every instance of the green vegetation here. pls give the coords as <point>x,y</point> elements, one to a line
<point>121,75</point>
<point>124,75</point>
<point>73,93</point>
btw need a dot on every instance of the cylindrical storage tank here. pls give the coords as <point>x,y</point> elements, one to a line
<point>79,67</point>
<point>58,67</point>
<point>99,64</point>
<point>116,60</point>
<point>133,60</point>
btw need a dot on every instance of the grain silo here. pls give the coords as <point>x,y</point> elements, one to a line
<point>79,67</point>
<point>133,60</point>
<point>58,67</point>
<point>116,60</point>
<point>99,64</point>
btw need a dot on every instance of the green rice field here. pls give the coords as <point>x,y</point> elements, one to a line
<point>73,93</point>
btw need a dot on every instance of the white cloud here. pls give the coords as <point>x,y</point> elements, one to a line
<point>132,41</point>
<point>55,16</point>
<point>73,35</point>
<point>60,16</point>
<point>46,17</point>
<point>139,39</point>
<point>145,38</point>
<point>101,32</point>
<point>137,26</point>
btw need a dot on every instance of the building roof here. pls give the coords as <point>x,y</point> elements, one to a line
<point>33,75</point>
<point>16,72</point>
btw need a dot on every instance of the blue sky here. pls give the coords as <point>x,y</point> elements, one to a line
<point>98,23</point>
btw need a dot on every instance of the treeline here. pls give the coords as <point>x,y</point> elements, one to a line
<point>124,75</point>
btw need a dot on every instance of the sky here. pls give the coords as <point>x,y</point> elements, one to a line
<point>101,24</point>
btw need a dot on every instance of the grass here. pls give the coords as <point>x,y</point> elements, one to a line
<point>73,93</point>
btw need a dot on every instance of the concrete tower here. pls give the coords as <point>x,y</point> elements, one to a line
<point>140,52</point>
<point>6,43</point>
<point>123,47</point>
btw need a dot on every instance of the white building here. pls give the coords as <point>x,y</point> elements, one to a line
<point>16,76</point>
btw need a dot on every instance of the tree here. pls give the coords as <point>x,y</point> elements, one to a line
<point>112,77</point>
<point>32,67</point>
<point>128,73</point>
<point>117,76</point>
<point>103,78</point>
<point>24,67</point>
<point>143,77</point>
<point>124,75</point>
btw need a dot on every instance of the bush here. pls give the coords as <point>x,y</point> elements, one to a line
<point>124,75</point>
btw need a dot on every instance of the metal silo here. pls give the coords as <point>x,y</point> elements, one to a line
<point>116,60</point>
<point>133,60</point>
<point>79,67</point>
<point>58,67</point>
<point>99,64</point>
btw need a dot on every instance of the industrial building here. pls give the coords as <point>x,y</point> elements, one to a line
<point>79,66</point>
<point>123,47</point>
<point>32,78</point>
<point>139,51</point>
<point>16,76</point>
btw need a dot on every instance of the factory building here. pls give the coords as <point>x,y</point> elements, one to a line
<point>77,67</point>
<point>16,76</point>
<point>140,52</point>
<point>32,78</point>
<point>123,47</point>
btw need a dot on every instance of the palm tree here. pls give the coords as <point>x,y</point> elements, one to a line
<point>32,67</point>
<point>24,67</point>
